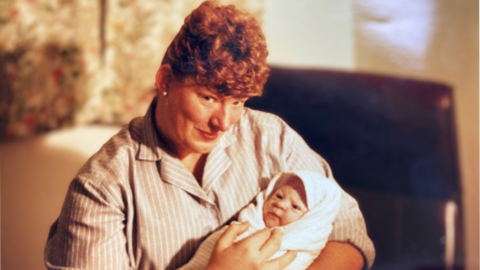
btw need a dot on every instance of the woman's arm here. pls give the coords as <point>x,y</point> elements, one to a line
<point>338,256</point>
<point>89,234</point>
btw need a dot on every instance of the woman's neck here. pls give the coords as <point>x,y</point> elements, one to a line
<point>195,163</point>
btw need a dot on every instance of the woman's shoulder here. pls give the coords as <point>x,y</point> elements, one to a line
<point>112,157</point>
<point>262,120</point>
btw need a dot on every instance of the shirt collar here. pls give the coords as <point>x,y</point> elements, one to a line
<point>150,145</point>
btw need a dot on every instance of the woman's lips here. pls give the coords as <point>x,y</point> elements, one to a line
<point>208,136</point>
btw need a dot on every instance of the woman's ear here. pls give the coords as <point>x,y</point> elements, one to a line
<point>163,78</point>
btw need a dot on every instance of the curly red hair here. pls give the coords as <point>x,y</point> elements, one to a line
<point>220,47</point>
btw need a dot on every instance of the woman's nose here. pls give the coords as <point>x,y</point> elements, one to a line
<point>221,119</point>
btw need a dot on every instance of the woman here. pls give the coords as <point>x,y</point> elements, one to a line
<point>153,192</point>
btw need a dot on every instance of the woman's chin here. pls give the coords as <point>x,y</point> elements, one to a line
<point>200,146</point>
<point>204,146</point>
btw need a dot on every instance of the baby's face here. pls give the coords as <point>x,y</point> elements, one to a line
<point>283,207</point>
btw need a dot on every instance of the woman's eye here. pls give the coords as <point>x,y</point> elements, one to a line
<point>209,99</point>
<point>279,196</point>
<point>295,207</point>
<point>238,103</point>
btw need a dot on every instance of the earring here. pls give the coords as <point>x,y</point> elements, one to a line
<point>164,93</point>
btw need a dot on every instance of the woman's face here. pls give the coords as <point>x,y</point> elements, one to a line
<point>283,207</point>
<point>195,117</point>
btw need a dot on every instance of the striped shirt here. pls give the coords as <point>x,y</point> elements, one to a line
<point>134,205</point>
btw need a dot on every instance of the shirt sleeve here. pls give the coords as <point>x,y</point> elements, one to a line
<point>349,225</point>
<point>89,233</point>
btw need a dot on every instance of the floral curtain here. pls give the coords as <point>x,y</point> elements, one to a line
<point>48,50</point>
<point>67,62</point>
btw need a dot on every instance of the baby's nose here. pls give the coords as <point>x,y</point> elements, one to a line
<point>282,204</point>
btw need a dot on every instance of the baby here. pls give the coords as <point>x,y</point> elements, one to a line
<point>303,203</point>
<point>287,204</point>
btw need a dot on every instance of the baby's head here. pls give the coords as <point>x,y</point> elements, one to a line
<point>286,203</point>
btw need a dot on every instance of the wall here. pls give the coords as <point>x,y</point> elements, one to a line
<point>309,33</point>
<point>434,40</point>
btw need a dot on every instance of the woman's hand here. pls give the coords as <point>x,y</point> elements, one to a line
<point>252,252</point>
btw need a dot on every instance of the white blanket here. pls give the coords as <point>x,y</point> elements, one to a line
<point>308,235</point>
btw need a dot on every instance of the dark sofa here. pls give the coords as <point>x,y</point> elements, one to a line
<point>391,145</point>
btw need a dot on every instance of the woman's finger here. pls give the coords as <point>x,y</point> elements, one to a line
<point>256,240</point>
<point>230,234</point>
<point>281,262</point>
<point>272,244</point>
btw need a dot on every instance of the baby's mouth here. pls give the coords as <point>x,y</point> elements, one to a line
<point>274,215</point>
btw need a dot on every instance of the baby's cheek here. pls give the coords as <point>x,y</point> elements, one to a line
<point>296,217</point>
